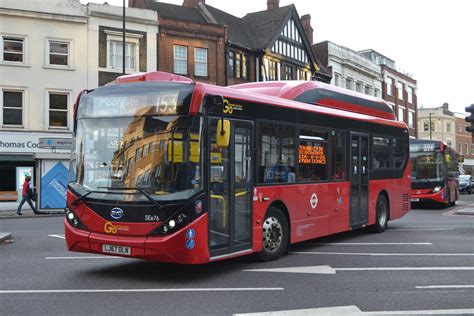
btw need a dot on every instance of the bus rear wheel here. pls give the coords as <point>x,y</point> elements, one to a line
<point>381,214</point>
<point>275,235</point>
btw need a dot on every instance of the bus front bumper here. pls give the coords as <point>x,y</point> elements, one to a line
<point>176,247</point>
<point>438,197</point>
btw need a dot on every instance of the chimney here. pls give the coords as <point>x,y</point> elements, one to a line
<point>306,23</point>
<point>273,4</point>
<point>445,106</point>
<point>192,3</point>
<point>137,4</point>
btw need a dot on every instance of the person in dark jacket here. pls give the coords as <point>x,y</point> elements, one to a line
<point>25,196</point>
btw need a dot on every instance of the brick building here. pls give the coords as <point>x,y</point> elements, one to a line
<point>210,45</point>
<point>464,141</point>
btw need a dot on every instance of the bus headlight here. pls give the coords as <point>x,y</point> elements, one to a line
<point>436,189</point>
<point>73,220</point>
<point>174,223</point>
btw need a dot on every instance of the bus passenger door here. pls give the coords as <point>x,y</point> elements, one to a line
<point>230,190</point>
<point>359,208</point>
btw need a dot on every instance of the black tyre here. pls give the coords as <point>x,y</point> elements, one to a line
<point>275,235</point>
<point>381,214</point>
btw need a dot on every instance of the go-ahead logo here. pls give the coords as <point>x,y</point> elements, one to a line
<point>110,228</point>
<point>116,213</point>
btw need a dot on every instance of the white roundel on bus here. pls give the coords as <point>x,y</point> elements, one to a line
<point>314,200</point>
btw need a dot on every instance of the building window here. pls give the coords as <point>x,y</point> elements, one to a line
<point>400,90</point>
<point>426,126</point>
<point>58,53</point>
<point>12,108</point>
<point>448,127</point>
<point>13,49</point>
<point>376,93</point>
<point>401,114</point>
<point>411,92</point>
<point>337,79</point>
<point>238,65</point>
<point>231,64</point>
<point>459,128</point>
<point>389,86</point>
<point>472,148</point>
<point>358,87</point>
<point>466,149</point>
<point>367,90</point>
<point>200,62</point>
<point>115,54</point>
<point>348,83</point>
<point>460,148</point>
<point>272,70</point>
<point>244,66</point>
<point>288,72</point>
<point>58,109</point>
<point>180,60</point>
<point>411,119</point>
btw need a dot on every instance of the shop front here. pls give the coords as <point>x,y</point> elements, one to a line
<point>43,156</point>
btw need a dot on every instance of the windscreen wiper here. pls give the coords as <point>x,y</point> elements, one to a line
<point>82,197</point>
<point>136,189</point>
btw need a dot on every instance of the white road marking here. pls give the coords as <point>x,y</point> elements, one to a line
<point>373,243</point>
<point>354,310</point>
<point>84,257</point>
<point>330,270</point>
<point>445,287</point>
<point>140,290</point>
<point>423,229</point>
<point>309,269</point>
<point>58,236</point>
<point>407,269</point>
<point>381,254</point>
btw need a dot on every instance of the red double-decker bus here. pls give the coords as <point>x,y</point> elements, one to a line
<point>167,169</point>
<point>435,172</point>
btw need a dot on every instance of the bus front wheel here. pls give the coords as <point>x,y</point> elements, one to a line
<point>275,235</point>
<point>381,214</point>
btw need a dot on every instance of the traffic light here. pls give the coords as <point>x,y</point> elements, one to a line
<point>470,118</point>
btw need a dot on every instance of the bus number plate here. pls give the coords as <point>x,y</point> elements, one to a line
<point>119,250</point>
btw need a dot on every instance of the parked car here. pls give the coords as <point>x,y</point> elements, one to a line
<point>465,183</point>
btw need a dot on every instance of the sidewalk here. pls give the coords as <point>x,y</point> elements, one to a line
<point>8,210</point>
<point>464,208</point>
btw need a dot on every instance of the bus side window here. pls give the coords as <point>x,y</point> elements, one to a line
<point>276,152</point>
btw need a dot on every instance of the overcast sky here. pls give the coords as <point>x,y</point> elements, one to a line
<point>432,40</point>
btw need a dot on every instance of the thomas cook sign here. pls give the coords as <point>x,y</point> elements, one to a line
<point>27,142</point>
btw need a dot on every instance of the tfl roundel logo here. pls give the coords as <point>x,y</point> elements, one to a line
<point>116,213</point>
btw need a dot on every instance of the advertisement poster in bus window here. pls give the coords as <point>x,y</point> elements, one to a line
<point>54,177</point>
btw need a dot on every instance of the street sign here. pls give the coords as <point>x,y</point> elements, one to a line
<point>55,143</point>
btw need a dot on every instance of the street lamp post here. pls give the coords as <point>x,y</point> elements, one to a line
<point>123,39</point>
<point>430,123</point>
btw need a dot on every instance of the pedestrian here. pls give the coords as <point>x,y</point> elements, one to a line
<point>26,195</point>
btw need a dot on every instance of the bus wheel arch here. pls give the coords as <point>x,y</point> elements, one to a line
<point>382,212</point>
<point>275,232</point>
